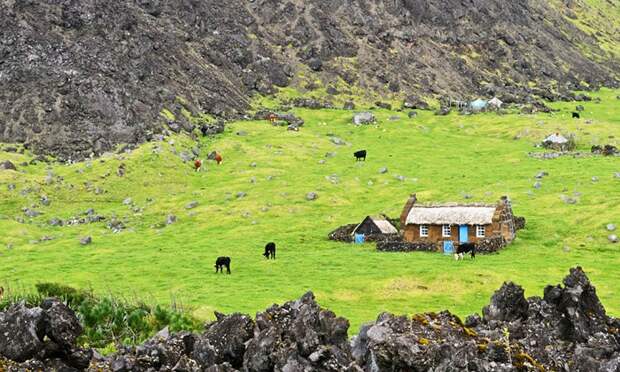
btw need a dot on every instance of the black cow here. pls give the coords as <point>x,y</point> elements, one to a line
<point>465,248</point>
<point>270,250</point>
<point>361,154</point>
<point>576,115</point>
<point>222,262</point>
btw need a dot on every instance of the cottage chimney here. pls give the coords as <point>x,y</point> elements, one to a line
<point>403,216</point>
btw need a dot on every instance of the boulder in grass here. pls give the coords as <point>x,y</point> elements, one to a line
<point>312,196</point>
<point>364,118</point>
<point>7,165</point>
<point>86,240</point>
<point>613,238</point>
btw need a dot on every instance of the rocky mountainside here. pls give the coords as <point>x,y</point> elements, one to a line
<point>566,330</point>
<point>79,76</point>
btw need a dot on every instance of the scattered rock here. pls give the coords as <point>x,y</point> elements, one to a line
<point>7,165</point>
<point>412,114</point>
<point>322,161</point>
<point>55,222</point>
<point>121,170</point>
<point>127,201</point>
<point>594,179</point>
<point>330,154</point>
<point>348,106</point>
<point>86,240</point>
<point>579,108</point>
<point>241,194</point>
<point>170,219</point>
<point>613,238</point>
<point>394,118</point>
<point>11,186</point>
<point>31,212</point>
<point>383,170</point>
<point>312,196</point>
<point>383,105</point>
<point>364,118</point>
<point>537,185</point>
<point>191,205</point>
<point>337,141</point>
<point>400,178</point>
<point>242,133</point>
<point>610,227</point>
<point>541,174</point>
<point>45,200</point>
<point>253,164</point>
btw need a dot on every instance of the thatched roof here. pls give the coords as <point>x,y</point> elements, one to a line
<point>477,214</point>
<point>385,226</point>
<point>556,138</point>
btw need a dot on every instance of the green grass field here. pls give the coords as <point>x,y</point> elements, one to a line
<point>442,158</point>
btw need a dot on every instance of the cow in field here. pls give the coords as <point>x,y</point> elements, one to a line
<point>576,115</point>
<point>270,250</point>
<point>221,263</point>
<point>465,248</point>
<point>360,155</point>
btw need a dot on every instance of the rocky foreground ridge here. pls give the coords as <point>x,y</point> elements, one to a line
<point>565,330</point>
<point>80,76</point>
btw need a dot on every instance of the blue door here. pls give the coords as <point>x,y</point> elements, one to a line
<point>360,238</point>
<point>448,247</point>
<point>463,234</point>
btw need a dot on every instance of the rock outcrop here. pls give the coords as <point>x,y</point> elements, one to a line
<point>79,77</point>
<point>566,330</point>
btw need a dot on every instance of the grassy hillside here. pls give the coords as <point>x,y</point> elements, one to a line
<point>441,158</point>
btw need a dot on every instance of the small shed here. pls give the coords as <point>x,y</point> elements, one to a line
<point>478,105</point>
<point>375,226</point>
<point>496,103</point>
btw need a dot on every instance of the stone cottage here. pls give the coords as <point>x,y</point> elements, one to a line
<point>447,225</point>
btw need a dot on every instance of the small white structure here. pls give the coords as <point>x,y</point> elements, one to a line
<point>496,103</point>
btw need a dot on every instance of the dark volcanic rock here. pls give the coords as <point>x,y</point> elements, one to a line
<point>79,77</point>
<point>298,335</point>
<point>566,330</point>
<point>224,341</point>
<point>22,332</point>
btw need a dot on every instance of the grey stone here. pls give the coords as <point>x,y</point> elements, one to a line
<point>170,219</point>
<point>364,118</point>
<point>31,213</point>
<point>186,156</point>
<point>541,174</point>
<point>330,154</point>
<point>253,165</point>
<point>613,238</point>
<point>45,200</point>
<point>610,227</point>
<point>55,222</point>
<point>537,185</point>
<point>337,141</point>
<point>241,194</point>
<point>412,114</point>
<point>242,133</point>
<point>383,170</point>
<point>127,201</point>
<point>11,186</point>
<point>7,165</point>
<point>400,178</point>
<point>322,161</point>
<point>312,196</point>
<point>191,205</point>
<point>86,240</point>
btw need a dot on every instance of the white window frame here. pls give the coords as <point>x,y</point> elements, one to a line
<point>444,229</point>
<point>424,229</point>
<point>481,231</point>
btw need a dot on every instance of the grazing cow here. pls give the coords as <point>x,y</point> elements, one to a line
<point>576,115</point>
<point>1,292</point>
<point>465,248</point>
<point>218,158</point>
<point>361,154</point>
<point>198,165</point>
<point>270,250</point>
<point>222,262</point>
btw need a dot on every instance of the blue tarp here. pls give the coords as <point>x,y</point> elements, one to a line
<point>478,104</point>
